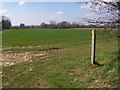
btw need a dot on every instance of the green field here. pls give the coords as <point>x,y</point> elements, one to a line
<point>58,58</point>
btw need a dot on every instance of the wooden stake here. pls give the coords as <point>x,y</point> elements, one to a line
<point>93,46</point>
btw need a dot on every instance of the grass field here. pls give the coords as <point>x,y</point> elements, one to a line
<point>58,58</point>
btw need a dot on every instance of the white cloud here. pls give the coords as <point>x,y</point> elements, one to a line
<point>56,14</point>
<point>90,6</point>
<point>111,0</point>
<point>83,6</point>
<point>21,2</point>
<point>59,12</point>
<point>107,0</point>
<point>53,16</point>
<point>3,11</point>
<point>86,6</point>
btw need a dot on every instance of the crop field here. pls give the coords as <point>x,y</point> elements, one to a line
<point>58,58</point>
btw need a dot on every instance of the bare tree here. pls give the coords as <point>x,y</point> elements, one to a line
<point>74,25</point>
<point>64,24</point>
<point>44,25</point>
<point>108,12</point>
<point>52,24</point>
<point>6,23</point>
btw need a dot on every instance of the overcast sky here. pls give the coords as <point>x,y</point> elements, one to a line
<point>33,13</point>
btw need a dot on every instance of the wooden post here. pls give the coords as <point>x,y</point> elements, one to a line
<point>93,46</point>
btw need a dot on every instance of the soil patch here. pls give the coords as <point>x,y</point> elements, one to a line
<point>10,58</point>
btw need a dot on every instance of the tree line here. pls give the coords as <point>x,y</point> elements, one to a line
<point>59,25</point>
<point>6,24</point>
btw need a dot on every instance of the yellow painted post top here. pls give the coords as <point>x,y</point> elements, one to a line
<point>93,31</point>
